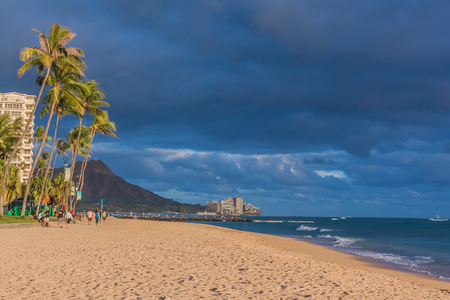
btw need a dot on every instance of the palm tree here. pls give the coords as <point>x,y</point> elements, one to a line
<point>91,101</point>
<point>51,51</point>
<point>102,125</point>
<point>56,190</point>
<point>72,140</point>
<point>64,77</point>
<point>84,151</point>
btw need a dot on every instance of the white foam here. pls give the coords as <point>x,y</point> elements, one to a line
<point>325,230</point>
<point>340,242</point>
<point>405,261</point>
<point>306,228</point>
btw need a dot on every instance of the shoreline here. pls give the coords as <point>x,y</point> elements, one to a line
<point>375,261</point>
<point>136,259</point>
<point>324,253</point>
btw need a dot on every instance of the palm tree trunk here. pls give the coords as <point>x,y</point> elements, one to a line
<point>53,168</point>
<point>49,160</point>
<point>83,168</point>
<point>36,159</point>
<point>74,157</point>
<point>19,142</point>
<point>84,165</point>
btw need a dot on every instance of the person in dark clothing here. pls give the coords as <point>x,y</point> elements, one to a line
<point>60,215</point>
<point>47,217</point>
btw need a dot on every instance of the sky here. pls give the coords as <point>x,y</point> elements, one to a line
<point>302,107</point>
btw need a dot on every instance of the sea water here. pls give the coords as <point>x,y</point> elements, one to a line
<point>418,245</point>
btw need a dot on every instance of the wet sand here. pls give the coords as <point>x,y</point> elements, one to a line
<point>138,259</point>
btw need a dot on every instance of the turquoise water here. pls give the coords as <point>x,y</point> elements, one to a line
<point>418,245</point>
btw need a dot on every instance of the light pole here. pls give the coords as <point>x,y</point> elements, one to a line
<point>66,179</point>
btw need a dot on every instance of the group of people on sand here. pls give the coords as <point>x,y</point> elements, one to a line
<point>44,217</point>
<point>97,214</point>
<point>67,215</point>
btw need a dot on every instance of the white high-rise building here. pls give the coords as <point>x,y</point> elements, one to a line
<point>21,105</point>
<point>238,204</point>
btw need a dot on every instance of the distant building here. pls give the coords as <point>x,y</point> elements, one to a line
<point>238,205</point>
<point>20,105</point>
<point>227,207</point>
<point>251,210</point>
<point>232,206</point>
<point>213,206</point>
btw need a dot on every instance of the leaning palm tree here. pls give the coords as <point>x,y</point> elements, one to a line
<point>64,78</point>
<point>52,50</point>
<point>66,105</point>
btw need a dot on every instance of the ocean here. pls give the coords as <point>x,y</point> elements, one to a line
<point>417,245</point>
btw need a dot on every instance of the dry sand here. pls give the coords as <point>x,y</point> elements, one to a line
<point>138,259</point>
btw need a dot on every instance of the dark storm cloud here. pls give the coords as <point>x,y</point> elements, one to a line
<point>269,91</point>
<point>251,70</point>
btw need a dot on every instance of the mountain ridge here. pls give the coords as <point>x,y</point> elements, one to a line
<point>118,194</point>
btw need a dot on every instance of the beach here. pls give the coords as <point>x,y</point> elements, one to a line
<point>139,259</point>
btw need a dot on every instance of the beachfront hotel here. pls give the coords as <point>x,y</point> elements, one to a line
<point>20,105</point>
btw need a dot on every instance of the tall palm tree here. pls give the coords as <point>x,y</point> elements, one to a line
<point>102,125</point>
<point>64,77</point>
<point>52,49</point>
<point>91,101</point>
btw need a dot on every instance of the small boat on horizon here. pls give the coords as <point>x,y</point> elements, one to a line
<point>437,219</point>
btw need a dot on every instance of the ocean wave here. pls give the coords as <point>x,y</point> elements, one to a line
<point>412,262</point>
<point>340,242</point>
<point>306,228</point>
<point>325,230</point>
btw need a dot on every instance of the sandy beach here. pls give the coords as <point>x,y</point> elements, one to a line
<point>138,259</point>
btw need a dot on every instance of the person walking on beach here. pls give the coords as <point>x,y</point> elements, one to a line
<point>89,216</point>
<point>68,218</point>
<point>104,216</point>
<point>60,215</point>
<point>47,218</point>
<point>39,217</point>
<point>97,215</point>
